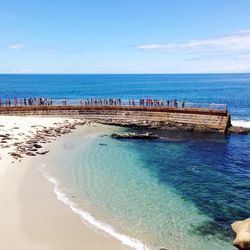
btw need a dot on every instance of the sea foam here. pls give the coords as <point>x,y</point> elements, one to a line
<point>88,218</point>
<point>241,123</point>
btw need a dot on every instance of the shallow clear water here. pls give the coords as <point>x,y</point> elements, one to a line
<point>191,186</point>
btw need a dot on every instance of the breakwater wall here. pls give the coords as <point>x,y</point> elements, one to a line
<point>190,119</point>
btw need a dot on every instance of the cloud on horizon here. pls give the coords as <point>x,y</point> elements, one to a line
<point>40,47</point>
<point>17,46</point>
<point>22,71</point>
<point>224,53</point>
<point>238,42</point>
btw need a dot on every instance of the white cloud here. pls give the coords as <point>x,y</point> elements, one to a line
<point>22,71</point>
<point>224,53</point>
<point>238,42</point>
<point>17,46</point>
<point>42,47</point>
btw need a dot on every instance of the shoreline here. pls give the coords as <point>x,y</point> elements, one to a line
<point>34,210</point>
<point>31,213</point>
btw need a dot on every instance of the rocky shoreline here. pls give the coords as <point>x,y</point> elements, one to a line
<point>172,126</point>
<point>238,130</point>
<point>33,145</point>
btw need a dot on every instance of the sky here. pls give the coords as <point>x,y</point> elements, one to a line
<point>124,36</point>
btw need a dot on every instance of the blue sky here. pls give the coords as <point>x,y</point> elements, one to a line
<point>124,36</point>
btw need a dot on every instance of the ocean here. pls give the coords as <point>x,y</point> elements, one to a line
<point>182,191</point>
<point>230,89</point>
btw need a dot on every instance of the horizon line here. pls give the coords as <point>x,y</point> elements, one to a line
<point>210,73</point>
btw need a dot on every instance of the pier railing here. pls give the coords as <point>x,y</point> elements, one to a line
<point>148,103</point>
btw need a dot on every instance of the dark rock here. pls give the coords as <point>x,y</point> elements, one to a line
<point>15,155</point>
<point>31,141</point>
<point>147,136</point>
<point>33,149</point>
<point>37,146</point>
<point>238,130</point>
<point>30,154</point>
<point>7,138</point>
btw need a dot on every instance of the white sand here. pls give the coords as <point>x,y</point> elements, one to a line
<point>31,218</point>
<point>21,129</point>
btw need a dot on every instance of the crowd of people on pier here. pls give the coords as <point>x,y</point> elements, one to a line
<point>100,102</point>
<point>26,101</point>
<point>92,102</point>
<point>160,103</point>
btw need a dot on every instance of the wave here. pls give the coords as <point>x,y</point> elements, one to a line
<point>87,217</point>
<point>241,123</point>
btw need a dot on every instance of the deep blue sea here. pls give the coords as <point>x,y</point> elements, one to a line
<point>230,89</point>
<point>182,190</point>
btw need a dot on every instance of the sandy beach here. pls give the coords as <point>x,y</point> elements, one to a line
<point>31,215</point>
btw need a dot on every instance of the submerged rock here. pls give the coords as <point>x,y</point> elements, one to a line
<point>135,136</point>
<point>242,230</point>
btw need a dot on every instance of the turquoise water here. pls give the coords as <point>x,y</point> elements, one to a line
<point>179,187</point>
<point>182,188</point>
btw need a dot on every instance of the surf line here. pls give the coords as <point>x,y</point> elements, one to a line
<point>88,218</point>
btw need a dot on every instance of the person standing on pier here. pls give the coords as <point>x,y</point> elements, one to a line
<point>183,103</point>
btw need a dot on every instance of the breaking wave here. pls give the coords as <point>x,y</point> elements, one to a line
<point>241,123</point>
<point>88,218</point>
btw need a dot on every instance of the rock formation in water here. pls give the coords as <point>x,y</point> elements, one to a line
<point>242,230</point>
<point>238,130</point>
<point>145,136</point>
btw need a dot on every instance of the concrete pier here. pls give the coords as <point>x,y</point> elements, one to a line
<point>169,118</point>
